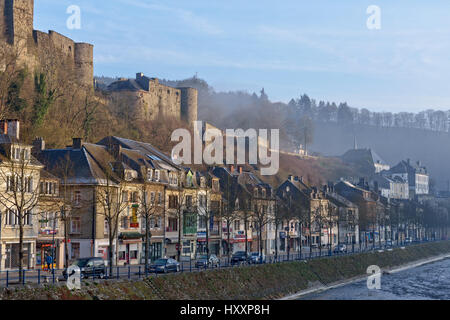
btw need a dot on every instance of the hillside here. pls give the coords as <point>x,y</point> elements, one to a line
<point>315,171</point>
<point>392,144</point>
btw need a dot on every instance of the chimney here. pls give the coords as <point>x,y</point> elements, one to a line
<point>4,126</point>
<point>139,75</point>
<point>301,179</point>
<point>232,169</point>
<point>11,128</point>
<point>296,178</point>
<point>116,151</point>
<point>38,145</point>
<point>76,143</point>
<point>240,169</point>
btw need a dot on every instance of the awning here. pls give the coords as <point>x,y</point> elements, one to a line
<point>130,236</point>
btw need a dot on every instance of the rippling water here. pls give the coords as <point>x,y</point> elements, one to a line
<point>427,282</point>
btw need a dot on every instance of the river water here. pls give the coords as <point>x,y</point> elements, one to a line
<point>427,282</point>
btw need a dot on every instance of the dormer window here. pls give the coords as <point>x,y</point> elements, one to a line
<point>149,175</point>
<point>157,175</point>
<point>202,182</point>
<point>256,192</point>
<point>20,153</point>
<point>216,185</point>
<point>189,180</point>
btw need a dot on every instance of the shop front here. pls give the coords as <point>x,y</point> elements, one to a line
<point>11,255</point>
<point>52,249</point>
<point>130,248</point>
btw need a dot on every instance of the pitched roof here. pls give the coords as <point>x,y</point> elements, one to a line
<point>83,169</point>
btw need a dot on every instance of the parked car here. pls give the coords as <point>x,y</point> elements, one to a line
<point>389,243</point>
<point>239,257</point>
<point>341,248</point>
<point>256,258</point>
<point>408,240</point>
<point>164,266</point>
<point>204,262</point>
<point>89,267</point>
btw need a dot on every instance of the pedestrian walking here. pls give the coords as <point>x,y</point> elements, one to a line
<point>49,261</point>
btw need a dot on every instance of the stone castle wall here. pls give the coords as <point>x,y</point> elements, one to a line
<point>51,53</point>
<point>149,99</point>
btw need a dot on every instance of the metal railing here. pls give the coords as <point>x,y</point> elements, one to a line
<point>10,278</point>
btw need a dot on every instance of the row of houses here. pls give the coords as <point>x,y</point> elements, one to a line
<point>118,196</point>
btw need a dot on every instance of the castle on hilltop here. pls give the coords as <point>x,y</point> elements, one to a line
<point>63,60</point>
<point>150,99</point>
<point>51,53</point>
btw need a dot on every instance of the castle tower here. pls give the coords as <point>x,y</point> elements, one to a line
<point>17,21</point>
<point>189,104</point>
<point>84,57</point>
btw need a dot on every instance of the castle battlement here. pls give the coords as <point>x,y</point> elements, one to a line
<point>38,49</point>
<point>151,99</point>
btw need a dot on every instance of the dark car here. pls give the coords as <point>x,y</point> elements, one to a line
<point>89,268</point>
<point>341,248</point>
<point>239,257</point>
<point>164,266</point>
<point>204,262</point>
<point>256,258</point>
<point>389,243</point>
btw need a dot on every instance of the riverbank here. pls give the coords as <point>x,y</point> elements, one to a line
<point>322,288</point>
<point>272,281</point>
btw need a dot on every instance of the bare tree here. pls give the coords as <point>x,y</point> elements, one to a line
<point>113,199</point>
<point>149,210</point>
<point>21,178</point>
<point>229,211</point>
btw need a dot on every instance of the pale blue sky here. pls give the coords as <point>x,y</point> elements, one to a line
<point>322,47</point>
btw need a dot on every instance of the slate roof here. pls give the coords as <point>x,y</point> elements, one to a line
<point>84,170</point>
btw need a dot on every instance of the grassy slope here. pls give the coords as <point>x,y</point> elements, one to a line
<point>256,282</point>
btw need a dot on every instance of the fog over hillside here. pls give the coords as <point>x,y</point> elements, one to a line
<point>329,128</point>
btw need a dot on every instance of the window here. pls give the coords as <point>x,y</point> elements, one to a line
<point>152,199</point>
<point>255,192</point>
<point>124,196</point>
<point>189,180</point>
<point>189,201</point>
<point>10,183</point>
<point>173,179</point>
<point>173,225</point>
<point>125,223</point>
<point>202,200</point>
<point>173,202</point>
<point>133,254</point>
<point>157,175</point>
<point>216,185</point>
<point>28,221</point>
<point>159,198</point>
<point>149,175</point>
<point>263,193</point>
<point>106,227</point>
<point>75,225</point>
<point>237,225</point>
<point>75,251</point>
<point>202,182</point>
<point>135,197</point>
<point>202,222</point>
<point>77,198</point>
<point>11,218</point>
